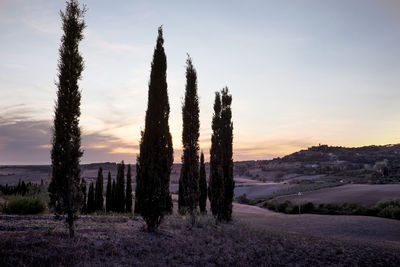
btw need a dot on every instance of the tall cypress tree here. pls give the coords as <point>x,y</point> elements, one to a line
<point>64,188</point>
<point>90,202</point>
<point>153,167</point>
<point>190,141</point>
<point>216,178</point>
<point>202,185</point>
<point>128,195</point>
<point>108,193</point>
<point>120,188</point>
<point>98,197</point>
<point>226,141</point>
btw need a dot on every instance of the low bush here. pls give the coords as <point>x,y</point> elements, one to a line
<point>387,209</point>
<point>24,205</point>
<point>242,199</point>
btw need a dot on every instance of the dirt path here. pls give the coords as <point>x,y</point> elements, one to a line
<point>361,228</point>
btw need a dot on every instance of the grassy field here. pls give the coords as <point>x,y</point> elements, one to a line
<point>256,237</point>
<point>363,194</point>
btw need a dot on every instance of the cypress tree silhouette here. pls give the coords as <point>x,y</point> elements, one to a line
<point>98,197</point>
<point>90,202</point>
<point>108,193</point>
<point>226,135</point>
<point>216,179</point>
<point>189,179</point>
<point>64,188</point>
<point>120,188</point>
<point>202,185</point>
<point>128,195</point>
<point>84,199</point>
<point>221,163</point>
<point>154,163</point>
<point>113,196</point>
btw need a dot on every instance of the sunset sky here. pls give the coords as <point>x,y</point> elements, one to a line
<point>300,73</point>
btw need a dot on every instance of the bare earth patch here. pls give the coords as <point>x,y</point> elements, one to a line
<point>122,241</point>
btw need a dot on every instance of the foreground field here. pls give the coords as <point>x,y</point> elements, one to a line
<point>363,194</point>
<point>256,237</point>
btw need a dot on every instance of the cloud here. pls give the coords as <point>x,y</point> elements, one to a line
<point>29,142</point>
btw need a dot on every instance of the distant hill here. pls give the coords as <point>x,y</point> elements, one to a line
<point>374,164</point>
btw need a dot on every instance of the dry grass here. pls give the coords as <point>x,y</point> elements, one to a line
<point>363,194</point>
<point>122,241</point>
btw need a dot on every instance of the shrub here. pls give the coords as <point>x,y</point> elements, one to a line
<point>242,199</point>
<point>307,207</point>
<point>24,205</point>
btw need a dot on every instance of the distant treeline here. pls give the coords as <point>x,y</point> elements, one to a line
<point>21,188</point>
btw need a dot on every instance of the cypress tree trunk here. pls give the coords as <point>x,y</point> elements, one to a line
<point>99,200</point>
<point>128,195</point>
<point>189,179</point>
<point>64,188</point>
<point>202,185</point>
<point>154,163</point>
<point>108,193</point>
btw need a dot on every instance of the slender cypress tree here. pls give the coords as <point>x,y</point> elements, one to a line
<point>108,193</point>
<point>114,196</point>
<point>202,185</point>
<point>190,141</point>
<point>226,141</point>
<point>64,188</point>
<point>216,179</point>
<point>128,195</point>
<point>120,188</point>
<point>90,202</point>
<point>153,167</point>
<point>99,200</point>
<point>84,199</point>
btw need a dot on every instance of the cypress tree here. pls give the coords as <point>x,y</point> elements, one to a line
<point>190,141</point>
<point>90,202</point>
<point>64,188</point>
<point>216,179</point>
<point>128,195</point>
<point>120,188</point>
<point>202,185</point>
<point>108,193</point>
<point>113,196</point>
<point>84,199</point>
<point>154,163</point>
<point>99,200</point>
<point>226,141</point>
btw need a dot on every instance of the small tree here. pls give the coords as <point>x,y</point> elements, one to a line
<point>114,196</point>
<point>202,185</point>
<point>154,163</point>
<point>64,188</point>
<point>90,202</point>
<point>84,193</point>
<point>128,197</point>
<point>108,193</point>
<point>99,200</point>
<point>189,179</point>
<point>120,188</point>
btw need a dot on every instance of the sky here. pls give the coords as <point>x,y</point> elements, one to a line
<point>301,73</point>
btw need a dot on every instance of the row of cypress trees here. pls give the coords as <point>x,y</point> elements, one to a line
<point>118,196</point>
<point>154,163</point>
